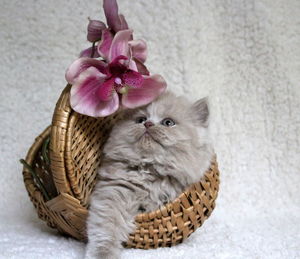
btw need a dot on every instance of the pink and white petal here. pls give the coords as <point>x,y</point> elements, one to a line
<point>88,53</point>
<point>139,49</point>
<point>152,87</point>
<point>105,43</point>
<point>86,84</point>
<point>106,90</point>
<point>99,108</point>
<point>83,97</point>
<point>111,13</point>
<point>141,68</point>
<point>119,44</point>
<point>94,30</point>
<point>133,79</point>
<point>80,65</point>
<point>107,108</point>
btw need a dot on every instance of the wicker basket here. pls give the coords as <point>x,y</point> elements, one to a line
<point>60,173</point>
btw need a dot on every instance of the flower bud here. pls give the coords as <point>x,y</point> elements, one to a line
<point>95,30</point>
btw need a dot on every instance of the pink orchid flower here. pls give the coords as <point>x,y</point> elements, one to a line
<point>97,30</point>
<point>99,88</point>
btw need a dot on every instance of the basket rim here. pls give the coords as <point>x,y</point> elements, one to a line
<point>58,132</point>
<point>62,163</point>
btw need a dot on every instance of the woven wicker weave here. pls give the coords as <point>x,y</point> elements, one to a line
<point>69,177</point>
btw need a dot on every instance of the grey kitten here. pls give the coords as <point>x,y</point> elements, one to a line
<point>151,156</point>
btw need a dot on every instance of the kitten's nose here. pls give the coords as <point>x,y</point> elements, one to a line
<point>148,124</point>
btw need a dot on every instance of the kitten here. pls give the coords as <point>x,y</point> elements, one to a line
<point>152,155</point>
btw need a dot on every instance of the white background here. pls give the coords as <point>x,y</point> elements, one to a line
<point>243,54</point>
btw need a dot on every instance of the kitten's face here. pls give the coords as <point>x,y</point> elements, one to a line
<point>159,126</point>
<point>170,124</point>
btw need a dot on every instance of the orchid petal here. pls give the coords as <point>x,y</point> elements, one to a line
<point>133,78</point>
<point>123,23</point>
<point>119,44</point>
<point>141,68</point>
<point>139,49</point>
<point>151,88</point>
<point>88,53</point>
<point>95,30</point>
<point>106,90</point>
<point>105,43</point>
<point>80,65</point>
<point>109,107</point>
<point>115,21</point>
<point>87,83</point>
<point>83,97</point>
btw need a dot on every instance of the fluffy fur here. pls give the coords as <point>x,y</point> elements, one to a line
<point>148,162</point>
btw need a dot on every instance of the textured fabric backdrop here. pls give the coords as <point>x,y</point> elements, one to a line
<point>244,54</point>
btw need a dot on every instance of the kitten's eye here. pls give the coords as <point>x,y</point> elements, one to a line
<point>168,122</point>
<point>141,119</point>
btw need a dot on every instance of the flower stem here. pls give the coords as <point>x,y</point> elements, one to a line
<point>93,49</point>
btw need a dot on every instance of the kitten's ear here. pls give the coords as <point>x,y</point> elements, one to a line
<point>200,112</point>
